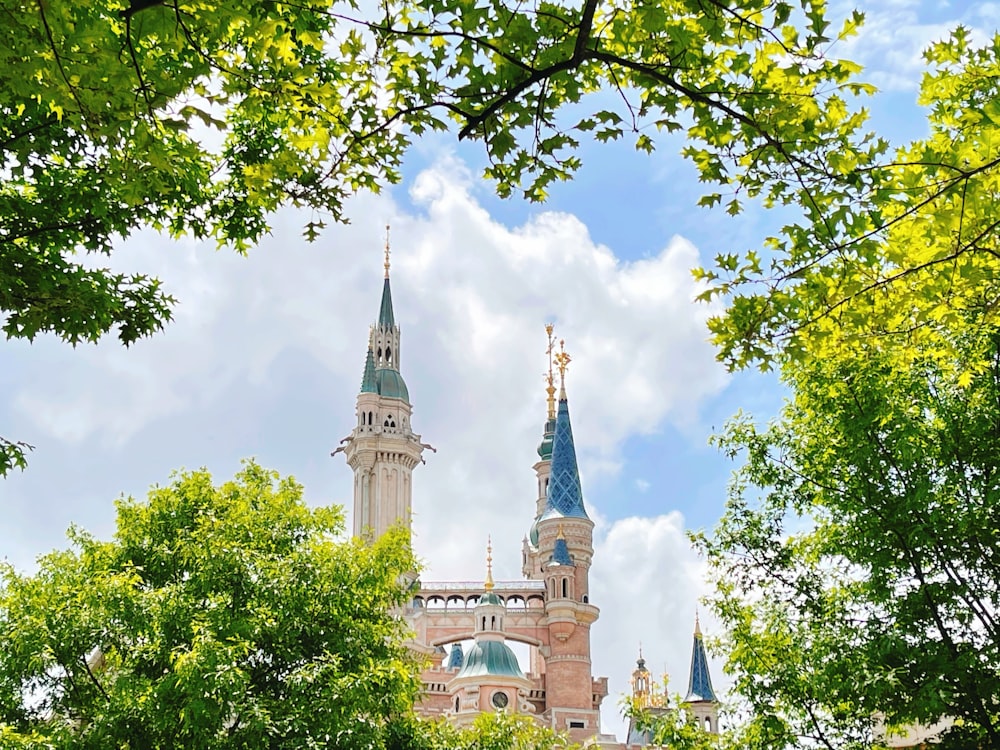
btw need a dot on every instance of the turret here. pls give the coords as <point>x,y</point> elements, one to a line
<point>382,449</point>
<point>490,678</point>
<point>700,700</point>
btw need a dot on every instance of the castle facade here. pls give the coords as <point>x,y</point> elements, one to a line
<point>465,627</point>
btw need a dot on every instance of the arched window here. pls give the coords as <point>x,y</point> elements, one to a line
<point>493,622</point>
<point>388,354</point>
<point>586,598</point>
<point>484,622</point>
<point>380,352</point>
<point>565,588</point>
<point>456,704</point>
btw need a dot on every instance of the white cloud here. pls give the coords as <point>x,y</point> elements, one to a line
<point>891,42</point>
<point>266,353</point>
<point>647,581</point>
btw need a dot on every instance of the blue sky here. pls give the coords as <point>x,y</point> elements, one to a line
<point>265,357</point>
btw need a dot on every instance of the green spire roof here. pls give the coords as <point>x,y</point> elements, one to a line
<point>368,379</point>
<point>385,317</point>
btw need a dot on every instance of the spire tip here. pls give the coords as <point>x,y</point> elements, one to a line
<point>489,564</point>
<point>387,251</point>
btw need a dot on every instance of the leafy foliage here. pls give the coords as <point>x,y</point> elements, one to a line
<point>900,243</point>
<point>201,118</point>
<point>497,730</point>
<point>219,617</point>
<point>668,723</point>
<point>108,110</point>
<point>856,566</point>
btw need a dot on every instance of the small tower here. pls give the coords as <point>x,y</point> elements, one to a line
<point>382,449</point>
<point>644,698</point>
<point>700,700</point>
<point>642,688</point>
<point>490,678</point>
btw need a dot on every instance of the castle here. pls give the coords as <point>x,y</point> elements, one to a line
<point>549,610</point>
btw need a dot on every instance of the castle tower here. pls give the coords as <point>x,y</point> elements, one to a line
<point>700,700</point>
<point>565,544</point>
<point>382,450</point>
<point>490,678</point>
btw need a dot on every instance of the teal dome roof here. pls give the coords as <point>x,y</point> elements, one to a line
<point>389,383</point>
<point>490,598</point>
<point>533,534</point>
<point>490,658</point>
<point>545,447</point>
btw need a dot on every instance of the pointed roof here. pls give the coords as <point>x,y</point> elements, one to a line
<point>560,552</point>
<point>700,681</point>
<point>385,317</point>
<point>565,496</point>
<point>368,379</point>
<point>457,657</point>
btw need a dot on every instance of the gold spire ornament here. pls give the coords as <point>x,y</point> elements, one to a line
<point>387,251</point>
<point>489,564</point>
<point>550,385</point>
<point>562,362</point>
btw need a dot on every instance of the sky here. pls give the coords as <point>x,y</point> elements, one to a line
<point>265,356</point>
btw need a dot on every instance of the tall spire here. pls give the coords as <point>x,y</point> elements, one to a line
<point>386,319</point>
<point>565,496</point>
<point>700,681</point>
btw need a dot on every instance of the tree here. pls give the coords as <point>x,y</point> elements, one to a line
<point>856,568</point>
<point>202,118</point>
<point>228,616</point>
<point>897,243</point>
<point>106,114</point>
<point>667,722</point>
<point>496,730</point>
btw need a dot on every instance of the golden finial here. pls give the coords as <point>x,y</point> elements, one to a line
<point>387,251</point>
<point>550,384</point>
<point>697,624</point>
<point>489,564</point>
<point>562,362</point>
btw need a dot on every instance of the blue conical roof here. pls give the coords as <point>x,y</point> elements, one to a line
<point>565,497</point>
<point>700,681</point>
<point>385,317</point>
<point>560,553</point>
<point>368,379</point>
<point>456,658</point>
